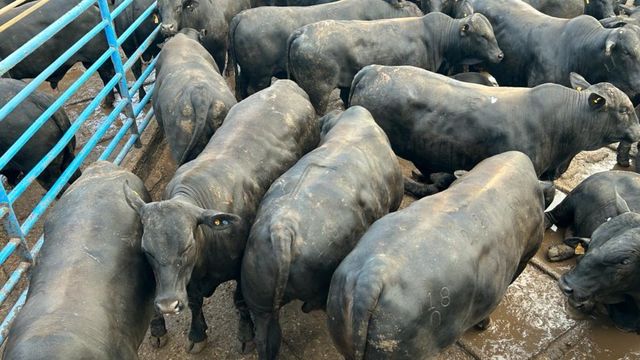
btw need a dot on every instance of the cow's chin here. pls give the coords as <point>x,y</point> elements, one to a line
<point>472,61</point>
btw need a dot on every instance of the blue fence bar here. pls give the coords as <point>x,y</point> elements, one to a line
<point>126,135</point>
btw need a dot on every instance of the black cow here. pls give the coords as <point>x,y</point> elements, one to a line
<point>539,49</point>
<point>352,179</point>
<point>443,125</point>
<point>609,272</point>
<point>122,22</point>
<point>328,54</point>
<point>19,120</point>
<point>212,16</point>
<point>195,239</point>
<point>628,15</point>
<point>91,291</point>
<point>191,98</point>
<point>32,65</point>
<point>259,36</point>
<point>591,204</point>
<point>421,276</point>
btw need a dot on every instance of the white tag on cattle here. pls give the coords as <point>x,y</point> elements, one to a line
<point>155,19</point>
<point>608,219</point>
<point>493,99</point>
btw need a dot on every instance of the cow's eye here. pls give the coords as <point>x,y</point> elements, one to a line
<point>624,110</point>
<point>626,261</point>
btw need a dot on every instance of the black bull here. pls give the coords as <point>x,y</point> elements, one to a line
<point>91,292</point>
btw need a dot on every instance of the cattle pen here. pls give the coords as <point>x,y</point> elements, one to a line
<point>532,321</point>
<point>127,132</point>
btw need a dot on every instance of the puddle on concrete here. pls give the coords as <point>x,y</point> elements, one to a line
<point>528,319</point>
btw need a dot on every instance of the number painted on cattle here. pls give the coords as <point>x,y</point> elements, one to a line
<point>439,306</point>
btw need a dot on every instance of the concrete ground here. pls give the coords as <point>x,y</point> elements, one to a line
<point>533,320</point>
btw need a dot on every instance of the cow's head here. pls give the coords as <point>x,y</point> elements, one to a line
<point>614,116</point>
<point>171,14</point>
<point>477,41</point>
<point>610,269</point>
<point>600,9</point>
<point>621,60</point>
<point>172,242</point>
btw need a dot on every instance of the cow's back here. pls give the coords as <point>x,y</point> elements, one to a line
<point>90,294</point>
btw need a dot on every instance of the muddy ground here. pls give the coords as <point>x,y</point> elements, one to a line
<point>532,322</point>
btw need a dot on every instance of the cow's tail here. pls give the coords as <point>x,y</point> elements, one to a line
<point>282,239</point>
<point>349,309</point>
<point>356,79</point>
<point>201,114</point>
<point>293,37</point>
<point>231,51</point>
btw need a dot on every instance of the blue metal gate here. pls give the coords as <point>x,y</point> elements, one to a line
<point>126,136</point>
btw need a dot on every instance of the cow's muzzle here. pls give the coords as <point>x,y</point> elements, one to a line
<point>168,29</point>
<point>169,306</point>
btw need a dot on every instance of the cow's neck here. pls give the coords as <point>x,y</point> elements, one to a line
<point>440,35</point>
<point>570,135</point>
<point>587,55</point>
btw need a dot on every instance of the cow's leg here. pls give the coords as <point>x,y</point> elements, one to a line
<point>623,153</point>
<point>268,335</point>
<point>419,190</point>
<point>158,329</point>
<point>245,324</point>
<point>106,73</point>
<point>344,95</point>
<point>242,84</point>
<point>638,157</point>
<point>442,180</point>
<point>198,330</point>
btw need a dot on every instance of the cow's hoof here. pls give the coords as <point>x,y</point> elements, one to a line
<point>484,324</point>
<point>247,347</point>
<point>560,252</point>
<point>158,341</point>
<point>623,160</point>
<point>196,348</point>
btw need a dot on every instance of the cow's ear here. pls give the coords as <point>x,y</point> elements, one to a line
<point>578,82</point>
<point>575,241</point>
<point>133,198</point>
<point>217,220</point>
<point>596,102</point>
<point>464,29</point>
<point>621,205</point>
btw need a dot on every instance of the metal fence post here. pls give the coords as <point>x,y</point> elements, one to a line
<point>116,59</point>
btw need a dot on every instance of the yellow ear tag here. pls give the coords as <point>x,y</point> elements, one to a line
<point>155,19</point>
<point>579,88</point>
<point>586,2</point>
<point>216,222</point>
<point>579,250</point>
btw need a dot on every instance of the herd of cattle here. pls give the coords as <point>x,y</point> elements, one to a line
<point>293,202</point>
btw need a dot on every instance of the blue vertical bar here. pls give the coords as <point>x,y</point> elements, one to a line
<point>112,40</point>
